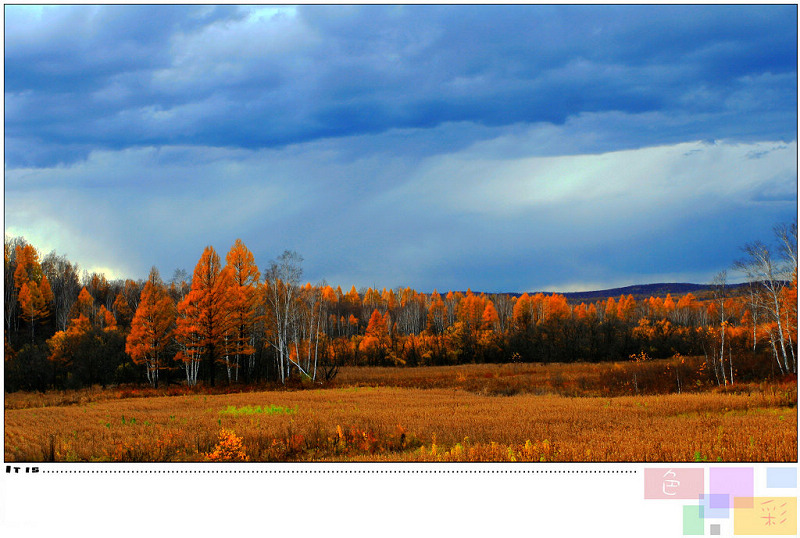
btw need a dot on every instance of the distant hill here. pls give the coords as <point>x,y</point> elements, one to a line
<point>640,291</point>
<point>645,291</point>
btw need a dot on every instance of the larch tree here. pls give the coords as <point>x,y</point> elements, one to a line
<point>61,352</point>
<point>521,313</point>
<point>205,313</point>
<point>122,310</point>
<point>105,319</point>
<point>34,293</point>
<point>151,327</point>
<point>490,321</point>
<point>83,305</point>
<point>437,314</point>
<point>34,302</point>
<point>470,311</point>
<point>244,300</point>
<point>188,340</point>
<point>376,338</point>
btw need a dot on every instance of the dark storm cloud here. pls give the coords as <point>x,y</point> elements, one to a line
<point>119,76</point>
<point>78,48</point>
<point>503,148</point>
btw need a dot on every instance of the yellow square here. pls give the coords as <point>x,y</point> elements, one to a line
<point>768,516</point>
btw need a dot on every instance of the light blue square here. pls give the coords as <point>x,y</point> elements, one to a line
<point>781,477</point>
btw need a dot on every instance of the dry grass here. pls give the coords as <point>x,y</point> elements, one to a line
<point>605,379</point>
<point>456,421</point>
<point>577,379</point>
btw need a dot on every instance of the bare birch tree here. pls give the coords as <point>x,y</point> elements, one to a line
<point>760,267</point>
<point>281,288</point>
<point>720,294</point>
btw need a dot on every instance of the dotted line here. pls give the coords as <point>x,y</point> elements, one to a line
<point>346,471</point>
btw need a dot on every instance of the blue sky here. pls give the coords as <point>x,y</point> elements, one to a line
<point>501,148</point>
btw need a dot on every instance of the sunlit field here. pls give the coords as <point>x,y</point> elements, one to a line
<point>463,413</point>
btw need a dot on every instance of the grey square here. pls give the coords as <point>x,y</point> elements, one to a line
<point>715,529</point>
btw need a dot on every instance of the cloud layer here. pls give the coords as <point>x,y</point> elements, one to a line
<point>503,148</point>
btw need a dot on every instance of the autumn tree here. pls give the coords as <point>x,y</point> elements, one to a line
<point>490,321</point>
<point>59,344</point>
<point>685,310</point>
<point>100,288</point>
<point>188,339</point>
<point>90,349</point>
<point>376,338</point>
<point>470,311</point>
<point>243,292</point>
<point>521,313</point>
<point>84,305</point>
<point>122,310</point>
<point>34,293</point>
<point>437,314</point>
<point>205,320</point>
<point>105,319</point>
<point>34,302</point>
<point>151,328</point>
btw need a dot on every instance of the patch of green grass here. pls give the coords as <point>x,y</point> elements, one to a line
<point>258,410</point>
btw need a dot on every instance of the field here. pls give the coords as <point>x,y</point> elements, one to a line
<point>463,413</point>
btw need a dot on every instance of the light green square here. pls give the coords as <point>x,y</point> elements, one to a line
<point>693,523</point>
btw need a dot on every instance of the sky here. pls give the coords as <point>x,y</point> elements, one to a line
<point>497,148</point>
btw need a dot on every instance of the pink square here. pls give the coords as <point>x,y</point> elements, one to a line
<point>673,483</point>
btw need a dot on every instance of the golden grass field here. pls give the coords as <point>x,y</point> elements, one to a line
<point>461,413</point>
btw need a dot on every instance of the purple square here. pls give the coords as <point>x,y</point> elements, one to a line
<point>729,482</point>
<point>719,500</point>
<point>715,505</point>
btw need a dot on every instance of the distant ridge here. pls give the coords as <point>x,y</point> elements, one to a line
<point>644,291</point>
<point>656,290</point>
<point>639,292</point>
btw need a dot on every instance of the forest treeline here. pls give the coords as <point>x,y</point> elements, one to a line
<point>231,323</point>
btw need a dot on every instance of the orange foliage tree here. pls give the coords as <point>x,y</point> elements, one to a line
<point>243,293</point>
<point>151,328</point>
<point>33,289</point>
<point>205,320</point>
<point>376,338</point>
